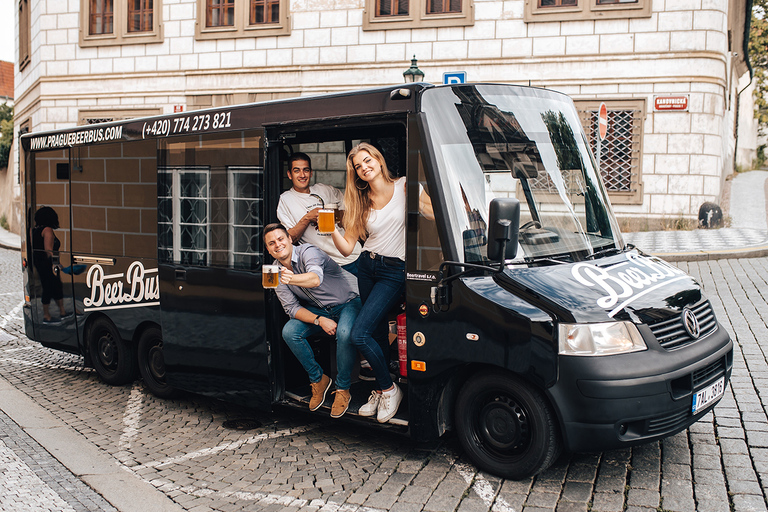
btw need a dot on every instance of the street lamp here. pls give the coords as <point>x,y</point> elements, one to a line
<point>413,73</point>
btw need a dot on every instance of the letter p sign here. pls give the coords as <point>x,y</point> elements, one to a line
<point>455,77</point>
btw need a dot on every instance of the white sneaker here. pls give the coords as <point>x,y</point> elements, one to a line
<point>372,406</point>
<point>388,405</point>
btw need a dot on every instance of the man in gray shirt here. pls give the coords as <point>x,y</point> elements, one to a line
<point>316,297</point>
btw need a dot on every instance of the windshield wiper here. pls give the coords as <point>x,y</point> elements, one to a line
<point>603,252</point>
<point>550,259</point>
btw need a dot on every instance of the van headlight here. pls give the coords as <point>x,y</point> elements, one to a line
<point>599,339</point>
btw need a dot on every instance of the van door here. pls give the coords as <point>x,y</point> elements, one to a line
<point>50,178</point>
<point>210,211</point>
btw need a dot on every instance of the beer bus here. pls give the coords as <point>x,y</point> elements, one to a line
<point>530,326</point>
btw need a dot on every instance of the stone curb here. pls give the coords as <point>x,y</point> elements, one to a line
<point>120,487</point>
<point>742,252</point>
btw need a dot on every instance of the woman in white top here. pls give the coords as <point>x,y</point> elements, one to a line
<point>375,213</point>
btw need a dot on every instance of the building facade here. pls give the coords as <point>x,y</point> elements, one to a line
<point>672,73</point>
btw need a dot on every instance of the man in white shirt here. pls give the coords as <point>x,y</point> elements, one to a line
<point>298,207</point>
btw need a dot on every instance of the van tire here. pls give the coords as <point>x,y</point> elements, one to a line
<point>506,426</point>
<point>152,363</point>
<point>113,358</point>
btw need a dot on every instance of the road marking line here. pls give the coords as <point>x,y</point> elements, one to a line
<point>234,445</point>
<point>132,417</point>
<point>11,315</point>
<point>483,488</point>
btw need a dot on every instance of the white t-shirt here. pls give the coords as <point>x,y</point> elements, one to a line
<point>294,205</point>
<point>386,227</point>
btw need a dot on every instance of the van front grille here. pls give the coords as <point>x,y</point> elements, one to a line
<point>671,333</point>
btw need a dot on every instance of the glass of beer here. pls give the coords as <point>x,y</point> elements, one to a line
<point>326,221</point>
<point>270,276</point>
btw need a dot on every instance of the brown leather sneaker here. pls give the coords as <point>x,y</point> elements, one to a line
<point>319,389</point>
<point>340,403</point>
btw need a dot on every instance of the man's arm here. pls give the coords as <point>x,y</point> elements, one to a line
<point>297,231</point>
<point>295,227</point>
<point>308,317</point>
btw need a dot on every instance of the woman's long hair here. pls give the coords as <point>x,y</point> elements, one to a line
<point>47,217</point>
<point>357,200</point>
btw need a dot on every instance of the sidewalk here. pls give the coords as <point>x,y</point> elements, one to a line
<point>747,237</point>
<point>9,240</point>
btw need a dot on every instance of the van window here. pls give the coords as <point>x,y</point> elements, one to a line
<point>210,204</point>
<point>114,208</point>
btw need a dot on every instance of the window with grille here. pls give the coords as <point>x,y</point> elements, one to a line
<point>567,10</point>
<point>264,11</point>
<point>621,151</point>
<point>230,19</point>
<point>140,15</point>
<point>101,17</point>
<point>120,22</point>
<point>557,3</point>
<point>391,7</point>
<point>219,13</point>
<point>440,6</point>
<point>24,34</point>
<point>399,14</point>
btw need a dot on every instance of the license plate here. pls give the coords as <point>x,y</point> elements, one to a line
<point>708,395</point>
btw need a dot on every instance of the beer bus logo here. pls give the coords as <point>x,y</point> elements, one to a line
<point>627,280</point>
<point>138,287</point>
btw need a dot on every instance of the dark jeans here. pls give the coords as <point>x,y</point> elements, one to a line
<point>382,283</point>
<point>296,332</point>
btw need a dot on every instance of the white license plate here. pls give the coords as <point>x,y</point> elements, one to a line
<point>708,395</point>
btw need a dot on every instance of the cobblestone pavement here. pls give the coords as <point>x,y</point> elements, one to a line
<point>296,463</point>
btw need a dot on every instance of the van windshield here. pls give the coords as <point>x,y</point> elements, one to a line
<point>505,141</point>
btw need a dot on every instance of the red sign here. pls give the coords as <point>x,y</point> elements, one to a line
<point>602,121</point>
<point>178,108</point>
<point>664,103</point>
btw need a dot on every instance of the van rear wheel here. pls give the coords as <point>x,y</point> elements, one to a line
<point>506,426</point>
<point>113,358</point>
<point>152,363</point>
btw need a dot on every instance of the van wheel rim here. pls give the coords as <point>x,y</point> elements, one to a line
<point>503,425</point>
<point>107,351</point>
<point>157,363</point>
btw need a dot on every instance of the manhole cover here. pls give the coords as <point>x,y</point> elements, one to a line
<point>242,424</point>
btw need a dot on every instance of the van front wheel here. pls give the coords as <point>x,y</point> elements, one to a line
<point>152,363</point>
<point>113,358</point>
<point>506,426</point>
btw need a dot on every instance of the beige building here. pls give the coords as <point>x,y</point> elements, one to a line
<point>672,73</point>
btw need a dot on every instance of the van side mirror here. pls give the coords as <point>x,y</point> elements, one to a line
<point>503,229</point>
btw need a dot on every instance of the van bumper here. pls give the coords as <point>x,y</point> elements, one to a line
<point>599,412</point>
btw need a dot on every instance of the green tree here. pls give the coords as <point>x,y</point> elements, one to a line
<point>758,56</point>
<point>6,133</point>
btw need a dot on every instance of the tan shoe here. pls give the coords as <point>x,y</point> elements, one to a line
<point>340,403</point>
<point>319,389</point>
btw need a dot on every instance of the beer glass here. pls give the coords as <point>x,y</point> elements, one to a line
<point>270,276</point>
<point>326,221</point>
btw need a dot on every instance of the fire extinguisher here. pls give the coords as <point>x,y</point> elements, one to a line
<point>402,345</point>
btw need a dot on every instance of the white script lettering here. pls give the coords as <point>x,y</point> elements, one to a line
<point>108,290</point>
<point>626,279</point>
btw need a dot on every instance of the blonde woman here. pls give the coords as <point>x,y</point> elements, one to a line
<point>375,212</point>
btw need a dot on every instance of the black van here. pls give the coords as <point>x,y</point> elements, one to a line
<point>530,326</point>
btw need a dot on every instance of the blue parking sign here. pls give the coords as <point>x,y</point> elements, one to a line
<point>455,77</point>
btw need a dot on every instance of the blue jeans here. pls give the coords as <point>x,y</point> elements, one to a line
<point>296,332</point>
<point>382,283</point>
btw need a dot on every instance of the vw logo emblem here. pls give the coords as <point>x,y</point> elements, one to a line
<point>690,323</point>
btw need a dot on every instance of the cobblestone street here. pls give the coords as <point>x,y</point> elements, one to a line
<point>293,461</point>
